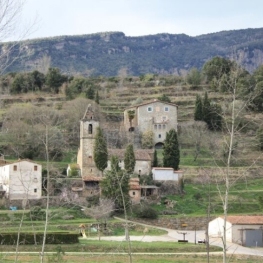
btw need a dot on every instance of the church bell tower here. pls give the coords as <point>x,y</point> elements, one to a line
<point>88,128</point>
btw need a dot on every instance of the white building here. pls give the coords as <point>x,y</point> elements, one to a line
<point>166,174</point>
<point>21,179</point>
<point>243,230</point>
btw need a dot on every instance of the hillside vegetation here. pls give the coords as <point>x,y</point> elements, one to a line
<point>109,53</point>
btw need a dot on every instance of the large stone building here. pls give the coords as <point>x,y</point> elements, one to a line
<point>156,116</point>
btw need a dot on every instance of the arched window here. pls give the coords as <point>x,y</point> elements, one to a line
<point>90,128</point>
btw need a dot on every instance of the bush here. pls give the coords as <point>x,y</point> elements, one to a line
<point>36,213</point>
<point>32,238</point>
<point>145,211</point>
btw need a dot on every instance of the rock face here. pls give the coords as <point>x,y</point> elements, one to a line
<point>109,53</point>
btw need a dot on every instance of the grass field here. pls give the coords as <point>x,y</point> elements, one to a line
<point>103,258</point>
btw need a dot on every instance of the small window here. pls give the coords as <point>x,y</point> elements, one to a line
<point>150,109</point>
<point>133,193</point>
<point>164,126</point>
<point>35,190</point>
<point>159,126</point>
<point>166,108</point>
<point>15,168</point>
<point>155,127</point>
<point>157,109</point>
<point>35,167</point>
<point>159,136</point>
<point>90,129</point>
<point>140,171</point>
<point>164,118</point>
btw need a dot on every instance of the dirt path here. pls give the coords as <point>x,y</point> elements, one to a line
<point>192,237</point>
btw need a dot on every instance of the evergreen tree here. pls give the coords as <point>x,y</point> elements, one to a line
<point>206,109</point>
<point>164,98</point>
<point>97,97</point>
<point>129,159</point>
<point>155,159</point>
<point>100,150</point>
<point>215,117</point>
<point>90,92</point>
<point>198,116</point>
<point>115,185</point>
<point>171,152</point>
<point>260,138</point>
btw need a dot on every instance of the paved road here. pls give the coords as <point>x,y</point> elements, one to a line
<point>191,236</point>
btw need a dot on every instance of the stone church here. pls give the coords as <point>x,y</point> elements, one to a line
<point>156,116</point>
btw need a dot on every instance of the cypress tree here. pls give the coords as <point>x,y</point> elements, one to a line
<point>115,184</point>
<point>129,159</point>
<point>97,97</point>
<point>100,150</point>
<point>171,152</point>
<point>198,116</point>
<point>206,109</point>
<point>155,159</point>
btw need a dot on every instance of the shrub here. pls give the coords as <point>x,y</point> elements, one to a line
<point>145,211</point>
<point>32,238</point>
<point>36,213</point>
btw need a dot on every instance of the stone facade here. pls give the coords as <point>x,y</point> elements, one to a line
<point>85,158</point>
<point>156,116</point>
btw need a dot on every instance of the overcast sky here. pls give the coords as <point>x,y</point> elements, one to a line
<point>141,17</point>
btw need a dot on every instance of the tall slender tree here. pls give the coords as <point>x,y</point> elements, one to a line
<point>129,159</point>
<point>115,185</point>
<point>198,116</point>
<point>155,159</point>
<point>100,150</point>
<point>171,152</point>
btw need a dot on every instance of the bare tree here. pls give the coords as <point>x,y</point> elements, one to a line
<point>101,212</point>
<point>195,133</point>
<point>231,115</point>
<point>11,27</point>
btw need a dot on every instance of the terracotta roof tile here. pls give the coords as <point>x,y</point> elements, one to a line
<point>140,154</point>
<point>135,187</point>
<point>150,102</point>
<point>92,178</point>
<point>245,220</point>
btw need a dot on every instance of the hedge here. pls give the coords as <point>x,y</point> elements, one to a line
<point>37,238</point>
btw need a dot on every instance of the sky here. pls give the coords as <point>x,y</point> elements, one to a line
<point>139,17</point>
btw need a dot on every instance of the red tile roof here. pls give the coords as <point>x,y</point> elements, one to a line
<point>150,102</point>
<point>245,220</point>
<point>91,178</point>
<point>140,154</point>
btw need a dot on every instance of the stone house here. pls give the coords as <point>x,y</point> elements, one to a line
<point>21,180</point>
<point>156,116</point>
<point>143,157</point>
<point>135,190</point>
<point>243,230</point>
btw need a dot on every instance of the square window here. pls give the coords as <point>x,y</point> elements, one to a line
<point>149,109</point>
<point>35,190</point>
<point>166,108</point>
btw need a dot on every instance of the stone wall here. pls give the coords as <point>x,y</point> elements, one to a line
<point>182,223</point>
